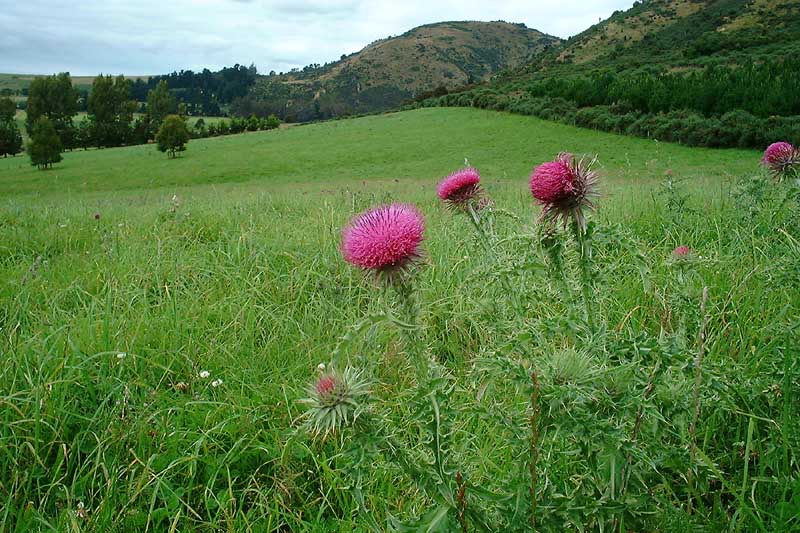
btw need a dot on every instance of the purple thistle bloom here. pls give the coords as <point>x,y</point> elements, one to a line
<point>386,239</point>
<point>461,189</point>
<point>564,188</point>
<point>781,157</point>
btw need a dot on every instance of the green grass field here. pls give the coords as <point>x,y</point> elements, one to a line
<point>226,260</point>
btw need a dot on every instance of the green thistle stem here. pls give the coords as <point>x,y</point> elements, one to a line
<point>584,263</point>
<point>403,312</point>
<point>485,241</point>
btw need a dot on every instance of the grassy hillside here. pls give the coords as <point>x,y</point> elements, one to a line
<point>161,320</point>
<point>680,33</point>
<point>323,155</point>
<point>390,71</point>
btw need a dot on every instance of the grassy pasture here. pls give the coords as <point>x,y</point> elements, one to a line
<point>226,260</point>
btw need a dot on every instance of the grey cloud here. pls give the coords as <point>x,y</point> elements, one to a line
<point>153,36</point>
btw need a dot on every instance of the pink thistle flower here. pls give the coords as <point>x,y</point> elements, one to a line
<point>780,157</point>
<point>564,188</point>
<point>681,252</point>
<point>461,189</point>
<point>385,240</point>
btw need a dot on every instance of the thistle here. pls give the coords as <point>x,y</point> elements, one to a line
<point>781,158</point>
<point>335,400</point>
<point>565,188</point>
<point>462,190</point>
<point>385,240</point>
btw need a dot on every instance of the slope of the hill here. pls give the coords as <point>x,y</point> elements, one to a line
<point>390,71</point>
<point>678,33</point>
<point>719,73</point>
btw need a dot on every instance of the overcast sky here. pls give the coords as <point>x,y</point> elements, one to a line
<point>86,37</point>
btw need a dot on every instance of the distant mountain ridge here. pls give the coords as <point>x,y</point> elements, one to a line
<point>390,71</point>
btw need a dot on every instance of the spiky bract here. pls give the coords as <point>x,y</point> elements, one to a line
<point>335,400</point>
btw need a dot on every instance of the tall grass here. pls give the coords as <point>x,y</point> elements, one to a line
<point>106,424</point>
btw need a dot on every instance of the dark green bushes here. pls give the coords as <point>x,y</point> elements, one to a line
<point>733,129</point>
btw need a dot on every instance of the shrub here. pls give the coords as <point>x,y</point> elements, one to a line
<point>172,136</point>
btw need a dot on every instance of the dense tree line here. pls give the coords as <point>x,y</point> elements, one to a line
<point>765,89</point>
<point>203,93</point>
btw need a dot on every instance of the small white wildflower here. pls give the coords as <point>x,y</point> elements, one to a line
<point>216,383</point>
<point>121,355</point>
<point>321,367</point>
<point>204,374</point>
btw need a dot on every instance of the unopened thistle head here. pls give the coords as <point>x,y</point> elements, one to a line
<point>781,157</point>
<point>565,188</point>
<point>385,240</point>
<point>335,400</point>
<point>462,189</point>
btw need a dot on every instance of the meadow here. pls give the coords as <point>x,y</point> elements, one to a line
<point>161,319</point>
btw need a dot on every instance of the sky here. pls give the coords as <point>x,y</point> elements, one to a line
<point>141,37</point>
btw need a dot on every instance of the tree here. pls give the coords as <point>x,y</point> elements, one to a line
<point>44,148</point>
<point>111,110</point>
<point>172,136</point>
<point>7,109</point>
<point>53,97</point>
<point>10,138</point>
<point>200,129</point>
<point>160,103</point>
<point>83,134</point>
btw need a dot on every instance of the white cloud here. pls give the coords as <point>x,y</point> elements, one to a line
<point>157,36</point>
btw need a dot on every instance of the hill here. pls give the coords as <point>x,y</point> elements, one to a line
<point>390,71</point>
<point>677,33</point>
<point>700,72</point>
